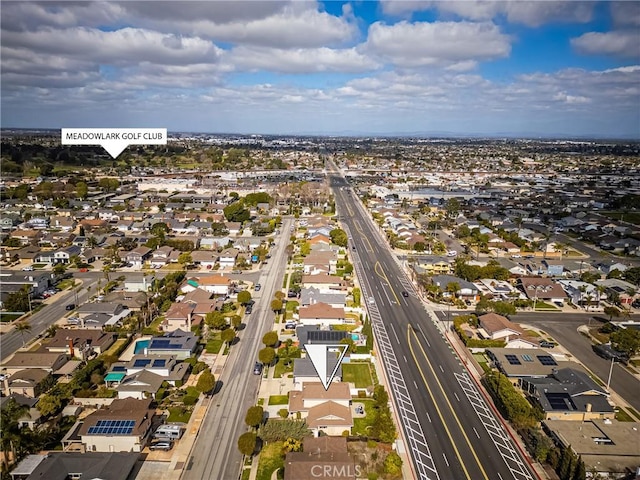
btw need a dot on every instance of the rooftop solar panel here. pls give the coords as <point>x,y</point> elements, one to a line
<point>112,427</point>
<point>546,360</point>
<point>513,360</point>
<point>160,362</point>
<point>142,362</point>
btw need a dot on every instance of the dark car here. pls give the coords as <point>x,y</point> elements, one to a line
<point>606,351</point>
<point>546,344</point>
<point>257,287</point>
<point>257,369</point>
<point>248,309</point>
<point>71,306</point>
<point>405,293</point>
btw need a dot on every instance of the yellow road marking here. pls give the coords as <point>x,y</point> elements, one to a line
<point>473,452</point>
<point>380,272</point>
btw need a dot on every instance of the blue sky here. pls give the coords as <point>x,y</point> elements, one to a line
<point>518,68</point>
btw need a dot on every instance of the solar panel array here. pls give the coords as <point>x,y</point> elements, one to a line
<point>141,362</point>
<point>513,359</point>
<point>158,363</point>
<point>119,368</point>
<point>546,360</point>
<point>112,427</point>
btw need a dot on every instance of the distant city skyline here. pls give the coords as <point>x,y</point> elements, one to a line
<point>399,68</point>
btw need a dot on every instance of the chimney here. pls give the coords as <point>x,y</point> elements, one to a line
<point>588,407</point>
<point>70,346</point>
<point>6,384</point>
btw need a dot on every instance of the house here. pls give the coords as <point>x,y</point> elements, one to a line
<point>31,417</point>
<point>580,292</point>
<point>26,237</point>
<point>320,261</point>
<point>206,259</point>
<point>321,314</point>
<point>216,284</point>
<point>100,314</point>
<point>609,448</point>
<point>615,288</point>
<point>497,327</point>
<point>136,282</point>
<point>310,296</point>
<point>227,257</point>
<point>138,256</point>
<point>140,385</point>
<point>329,418</point>
<point>553,268</point>
<point>304,371</point>
<point>74,341</point>
<point>75,465</point>
<point>51,362</point>
<point>179,316</point>
<point>518,363</point>
<point>537,288</point>
<point>569,394</point>
<point>314,334</point>
<point>467,289</point>
<point>179,343</point>
<point>161,256</point>
<point>435,266</point>
<point>324,282</point>
<point>30,382</point>
<point>124,426</point>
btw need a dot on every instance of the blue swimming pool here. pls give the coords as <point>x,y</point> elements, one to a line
<point>140,346</point>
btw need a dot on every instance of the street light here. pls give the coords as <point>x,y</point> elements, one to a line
<point>610,372</point>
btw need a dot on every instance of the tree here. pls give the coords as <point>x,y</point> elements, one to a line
<point>626,340</point>
<point>351,345</point>
<point>393,465</point>
<point>215,320</point>
<point>380,396</point>
<point>206,381</point>
<point>611,312</point>
<point>452,288</point>
<point>452,206</point>
<point>59,268</point>
<point>23,327</point>
<point>266,355</point>
<point>270,339</point>
<point>244,297</point>
<point>228,335</point>
<point>185,259</point>
<point>236,321</point>
<point>339,237</point>
<point>504,308</point>
<point>276,305</point>
<point>49,404</point>
<point>247,443</point>
<point>236,212</point>
<point>82,190</point>
<point>17,301</point>
<point>254,417</point>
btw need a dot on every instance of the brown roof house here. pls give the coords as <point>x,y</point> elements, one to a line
<point>326,411</point>
<point>123,426</point>
<point>137,256</point>
<point>76,341</point>
<point>50,362</point>
<point>497,327</point>
<point>179,316</point>
<point>322,457</point>
<point>30,382</point>
<point>323,281</point>
<point>321,314</point>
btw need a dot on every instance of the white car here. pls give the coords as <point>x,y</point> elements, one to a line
<point>452,253</point>
<point>372,300</point>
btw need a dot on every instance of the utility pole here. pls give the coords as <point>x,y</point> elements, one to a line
<point>610,373</point>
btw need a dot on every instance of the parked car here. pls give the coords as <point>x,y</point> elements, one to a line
<point>248,309</point>
<point>28,268</point>
<point>166,446</point>
<point>257,287</point>
<point>546,344</point>
<point>257,369</point>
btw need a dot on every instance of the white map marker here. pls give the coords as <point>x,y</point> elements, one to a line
<point>319,356</point>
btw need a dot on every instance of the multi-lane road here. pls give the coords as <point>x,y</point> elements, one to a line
<point>214,454</point>
<point>450,430</point>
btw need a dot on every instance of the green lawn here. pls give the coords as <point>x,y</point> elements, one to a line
<point>544,306</point>
<point>9,317</point>
<point>66,283</point>
<point>292,305</point>
<point>214,343</point>
<point>281,369</point>
<point>631,217</point>
<point>271,459</point>
<point>278,399</point>
<point>360,425</point>
<point>358,373</point>
<point>623,416</point>
<point>177,414</point>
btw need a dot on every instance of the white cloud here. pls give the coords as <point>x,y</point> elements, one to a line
<point>619,43</point>
<point>119,47</point>
<point>570,99</point>
<point>308,60</point>
<point>441,43</point>
<point>529,13</point>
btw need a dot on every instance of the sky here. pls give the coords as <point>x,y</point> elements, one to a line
<point>458,68</point>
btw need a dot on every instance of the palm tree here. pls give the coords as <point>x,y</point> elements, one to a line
<point>23,327</point>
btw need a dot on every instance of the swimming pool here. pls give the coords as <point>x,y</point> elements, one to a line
<point>140,346</point>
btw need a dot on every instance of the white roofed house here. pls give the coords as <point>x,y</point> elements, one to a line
<point>228,257</point>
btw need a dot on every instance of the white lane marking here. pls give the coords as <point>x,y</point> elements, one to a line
<point>405,359</point>
<point>445,459</point>
<point>456,395</point>
<point>441,369</point>
<point>394,332</point>
<point>414,382</point>
<point>476,432</point>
